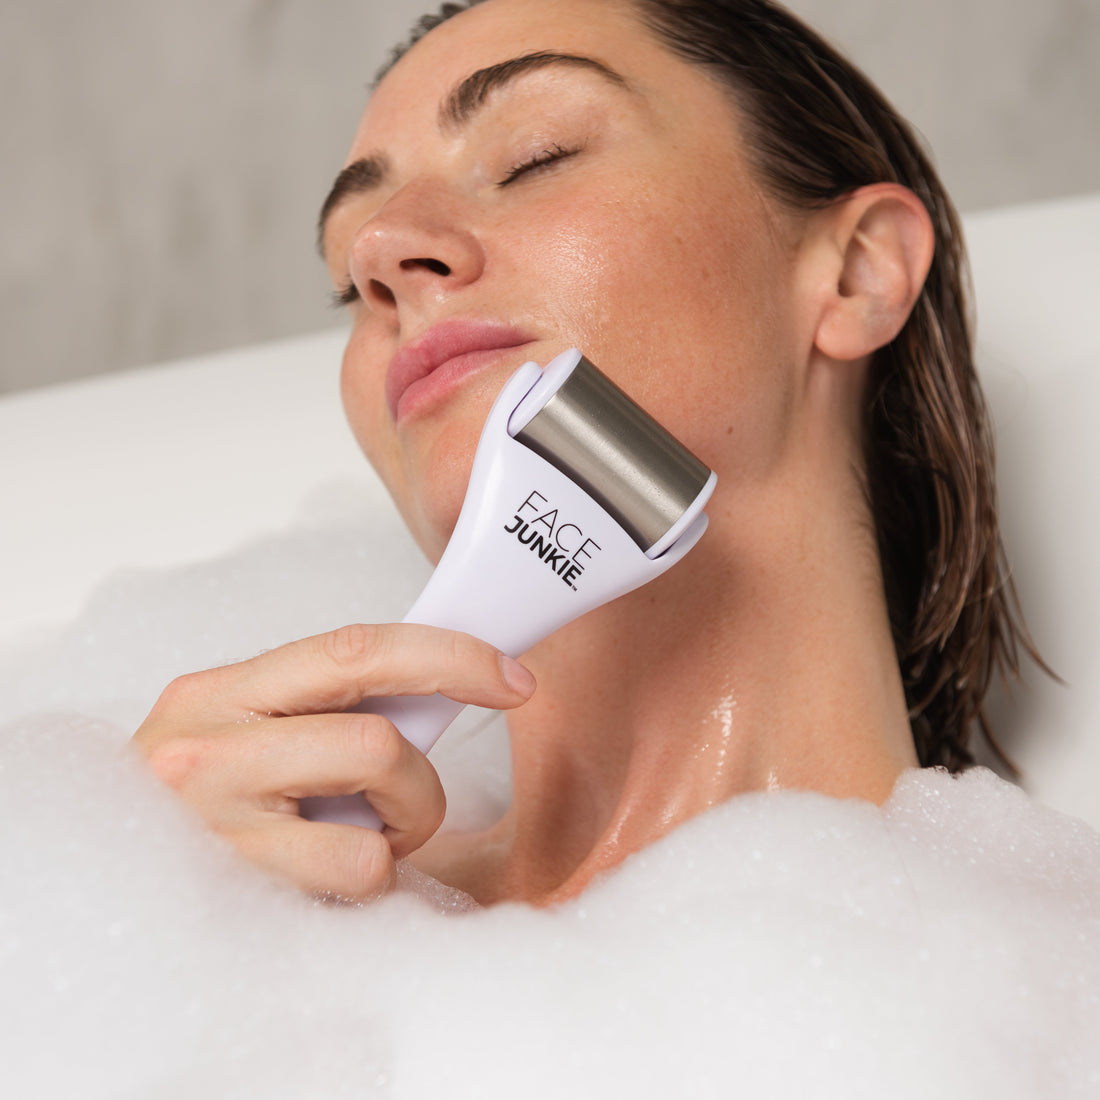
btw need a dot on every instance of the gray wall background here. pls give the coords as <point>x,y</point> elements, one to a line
<point>162,162</point>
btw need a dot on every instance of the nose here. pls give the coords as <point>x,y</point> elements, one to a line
<point>417,247</point>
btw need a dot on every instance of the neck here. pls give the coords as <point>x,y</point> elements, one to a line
<point>741,669</point>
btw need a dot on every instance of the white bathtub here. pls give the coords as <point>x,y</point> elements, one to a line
<point>182,462</point>
<point>782,945</point>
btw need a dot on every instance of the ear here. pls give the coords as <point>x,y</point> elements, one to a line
<point>875,250</point>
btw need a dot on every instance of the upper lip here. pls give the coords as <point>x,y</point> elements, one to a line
<point>442,342</point>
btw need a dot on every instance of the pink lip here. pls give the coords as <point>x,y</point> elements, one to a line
<point>442,358</point>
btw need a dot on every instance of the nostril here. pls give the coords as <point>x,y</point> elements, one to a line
<point>381,292</point>
<point>436,267</point>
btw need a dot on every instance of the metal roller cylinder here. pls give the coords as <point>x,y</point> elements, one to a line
<point>596,435</point>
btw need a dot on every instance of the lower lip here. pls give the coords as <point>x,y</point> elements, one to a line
<point>448,377</point>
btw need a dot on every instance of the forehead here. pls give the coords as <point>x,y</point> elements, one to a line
<point>495,30</point>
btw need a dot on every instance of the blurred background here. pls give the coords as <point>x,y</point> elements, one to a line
<point>163,163</point>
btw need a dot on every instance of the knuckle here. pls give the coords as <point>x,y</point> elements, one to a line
<point>468,651</point>
<point>371,865</point>
<point>456,648</point>
<point>375,739</point>
<point>352,646</point>
<point>431,809</point>
<point>439,808</point>
<point>183,691</point>
<point>178,761</point>
<point>466,662</point>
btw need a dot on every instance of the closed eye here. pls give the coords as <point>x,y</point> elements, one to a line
<point>345,297</point>
<point>547,157</point>
<point>349,294</point>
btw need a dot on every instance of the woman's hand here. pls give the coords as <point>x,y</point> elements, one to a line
<point>243,743</point>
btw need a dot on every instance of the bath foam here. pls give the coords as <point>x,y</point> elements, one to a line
<point>783,944</point>
<point>140,629</point>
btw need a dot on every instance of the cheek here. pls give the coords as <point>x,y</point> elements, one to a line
<point>688,315</point>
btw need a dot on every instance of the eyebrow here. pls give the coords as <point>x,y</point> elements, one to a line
<point>470,95</point>
<point>456,110</point>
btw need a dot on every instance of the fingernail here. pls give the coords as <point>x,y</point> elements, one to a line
<point>516,676</point>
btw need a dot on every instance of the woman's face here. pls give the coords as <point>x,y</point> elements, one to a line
<point>599,199</point>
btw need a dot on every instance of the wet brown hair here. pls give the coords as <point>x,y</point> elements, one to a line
<point>817,129</point>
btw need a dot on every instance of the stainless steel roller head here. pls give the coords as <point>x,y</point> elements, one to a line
<point>596,435</point>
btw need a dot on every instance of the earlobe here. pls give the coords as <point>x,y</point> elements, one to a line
<point>881,240</point>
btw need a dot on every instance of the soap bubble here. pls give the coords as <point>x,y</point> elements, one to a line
<point>783,944</point>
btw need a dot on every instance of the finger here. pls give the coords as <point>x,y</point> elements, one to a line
<point>338,670</point>
<point>327,755</point>
<point>337,861</point>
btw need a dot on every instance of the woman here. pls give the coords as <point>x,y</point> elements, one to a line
<point>735,227</point>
